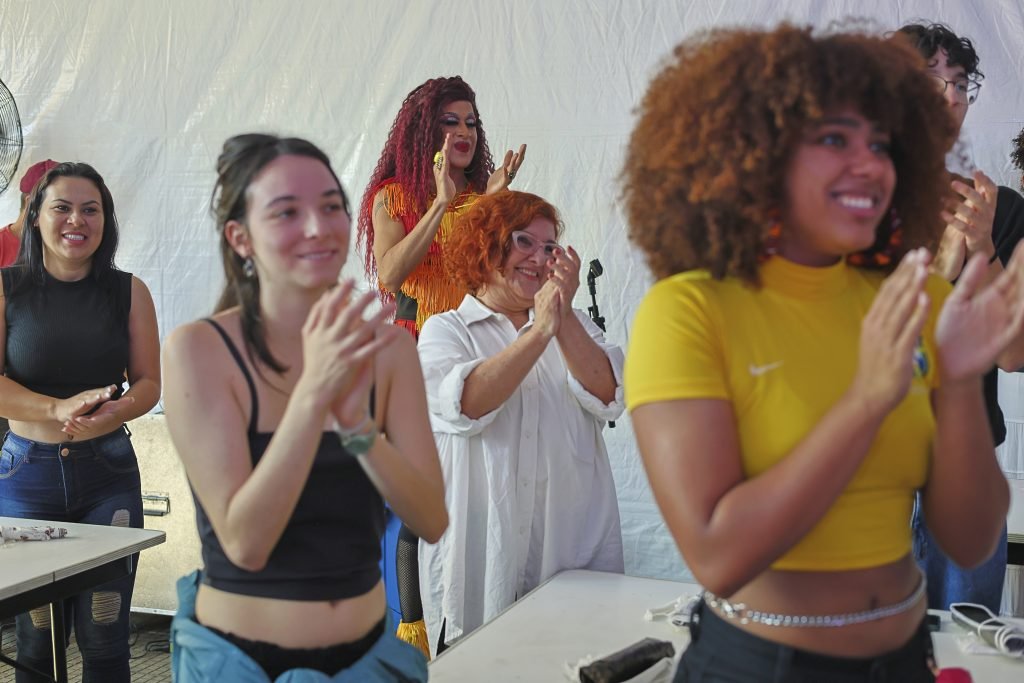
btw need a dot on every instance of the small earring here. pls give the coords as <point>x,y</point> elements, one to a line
<point>248,267</point>
<point>771,239</point>
<point>882,255</point>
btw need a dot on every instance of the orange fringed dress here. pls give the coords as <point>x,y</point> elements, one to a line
<point>430,288</point>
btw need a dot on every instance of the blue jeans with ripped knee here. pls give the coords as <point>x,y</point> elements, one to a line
<point>89,482</point>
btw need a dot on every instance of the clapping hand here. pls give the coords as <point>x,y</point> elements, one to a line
<point>506,173</point>
<point>975,326</point>
<point>564,271</point>
<point>442,178</point>
<point>973,214</point>
<point>951,254</point>
<point>889,333</point>
<point>547,309</point>
<point>339,347</point>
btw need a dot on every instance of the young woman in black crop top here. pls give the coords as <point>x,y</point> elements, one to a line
<point>72,328</point>
<point>284,408</point>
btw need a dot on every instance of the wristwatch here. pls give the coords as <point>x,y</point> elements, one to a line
<point>359,440</point>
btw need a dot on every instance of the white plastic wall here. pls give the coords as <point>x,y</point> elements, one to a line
<point>147,91</point>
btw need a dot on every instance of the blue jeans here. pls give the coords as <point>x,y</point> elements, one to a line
<point>198,655</point>
<point>947,581</point>
<point>89,482</point>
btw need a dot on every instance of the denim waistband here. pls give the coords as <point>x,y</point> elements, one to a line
<point>70,444</point>
<point>710,625</point>
<point>199,654</point>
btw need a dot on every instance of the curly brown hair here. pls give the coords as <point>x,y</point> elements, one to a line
<point>1017,155</point>
<point>704,172</point>
<point>482,236</point>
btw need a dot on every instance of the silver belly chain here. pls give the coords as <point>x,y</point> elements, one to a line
<point>745,615</point>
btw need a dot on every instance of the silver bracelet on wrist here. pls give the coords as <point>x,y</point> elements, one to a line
<point>360,440</point>
<point>362,428</point>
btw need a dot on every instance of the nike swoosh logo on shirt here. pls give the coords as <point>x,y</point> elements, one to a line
<point>758,370</point>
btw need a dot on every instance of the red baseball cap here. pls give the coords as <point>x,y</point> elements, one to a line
<point>34,173</point>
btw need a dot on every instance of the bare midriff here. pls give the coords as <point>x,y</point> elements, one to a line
<point>49,431</point>
<point>294,624</point>
<point>815,593</point>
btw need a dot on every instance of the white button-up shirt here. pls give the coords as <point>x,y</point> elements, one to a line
<point>528,486</point>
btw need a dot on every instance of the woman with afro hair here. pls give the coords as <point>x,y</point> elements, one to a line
<point>796,374</point>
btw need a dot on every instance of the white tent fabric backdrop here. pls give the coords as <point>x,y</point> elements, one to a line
<point>148,91</point>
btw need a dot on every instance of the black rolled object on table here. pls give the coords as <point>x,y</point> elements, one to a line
<point>628,662</point>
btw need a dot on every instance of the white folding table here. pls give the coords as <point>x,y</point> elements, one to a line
<point>578,613</point>
<point>34,573</point>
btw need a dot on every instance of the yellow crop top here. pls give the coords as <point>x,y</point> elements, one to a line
<point>782,356</point>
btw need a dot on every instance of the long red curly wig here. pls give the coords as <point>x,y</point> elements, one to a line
<point>408,154</point>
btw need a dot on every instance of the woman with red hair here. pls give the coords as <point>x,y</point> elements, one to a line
<point>519,386</point>
<point>416,192</point>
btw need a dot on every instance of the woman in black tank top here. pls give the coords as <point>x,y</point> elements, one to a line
<point>284,412</point>
<point>72,329</point>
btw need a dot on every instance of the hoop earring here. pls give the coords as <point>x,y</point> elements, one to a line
<point>248,268</point>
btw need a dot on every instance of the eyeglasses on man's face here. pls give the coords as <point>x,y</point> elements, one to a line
<point>526,243</point>
<point>965,89</point>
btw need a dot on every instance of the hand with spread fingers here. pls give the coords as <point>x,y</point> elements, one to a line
<point>506,173</point>
<point>338,349</point>
<point>442,177</point>
<point>975,324</point>
<point>889,333</point>
<point>564,271</point>
<point>973,214</point>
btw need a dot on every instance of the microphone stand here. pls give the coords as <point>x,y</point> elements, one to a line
<point>592,309</point>
<point>595,271</point>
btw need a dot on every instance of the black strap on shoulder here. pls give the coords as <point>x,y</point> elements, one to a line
<point>254,417</point>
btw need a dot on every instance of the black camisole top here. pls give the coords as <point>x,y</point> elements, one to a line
<point>330,549</point>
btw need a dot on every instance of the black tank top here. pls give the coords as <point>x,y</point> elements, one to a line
<point>331,547</point>
<point>66,337</point>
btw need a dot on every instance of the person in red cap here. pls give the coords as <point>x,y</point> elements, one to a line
<point>10,235</point>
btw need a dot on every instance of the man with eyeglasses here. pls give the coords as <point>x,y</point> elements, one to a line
<point>980,218</point>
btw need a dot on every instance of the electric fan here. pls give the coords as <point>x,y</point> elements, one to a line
<point>10,138</point>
